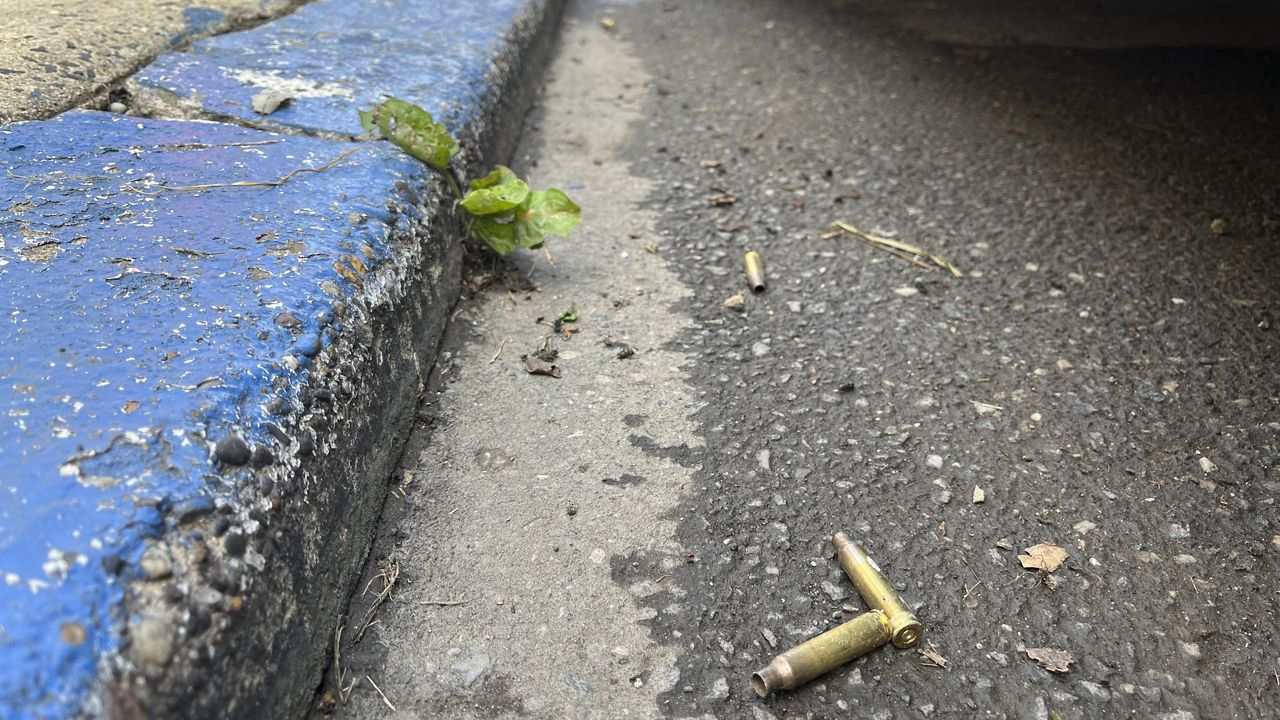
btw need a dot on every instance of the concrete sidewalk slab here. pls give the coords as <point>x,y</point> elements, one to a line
<point>56,54</point>
<point>213,345</point>
<point>331,56</point>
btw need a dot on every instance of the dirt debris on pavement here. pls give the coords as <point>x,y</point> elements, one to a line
<point>1053,660</point>
<point>268,101</point>
<point>1044,557</point>
<point>930,657</point>
<point>535,364</point>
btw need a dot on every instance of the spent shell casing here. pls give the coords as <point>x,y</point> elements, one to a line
<point>905,629</point>
<point>755,270</point>
<point>827,651</point>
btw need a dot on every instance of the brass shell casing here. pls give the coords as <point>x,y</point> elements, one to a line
<point>755,270</point>
<point>905,629</point>
<point>827,651</point>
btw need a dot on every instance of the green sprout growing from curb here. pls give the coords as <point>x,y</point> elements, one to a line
<point>506,213</point>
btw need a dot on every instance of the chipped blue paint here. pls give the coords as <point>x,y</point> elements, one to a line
<point>137,327</point>
<point>198,21</point>
<point>333,56</point>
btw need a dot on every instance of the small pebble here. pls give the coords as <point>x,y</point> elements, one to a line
<point>719,691</point>
<point>762,459</point>
<point>906,292</point>
<point>235,544</point>
<point>261,457</point>
<point>833,591</point>
<point>118,108</point>
<point>769,637</point>
<point>232,451</point>
<point>152,641</point>
<point>155,563</point>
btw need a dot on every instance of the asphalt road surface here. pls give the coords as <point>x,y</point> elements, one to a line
<point>638,536</point>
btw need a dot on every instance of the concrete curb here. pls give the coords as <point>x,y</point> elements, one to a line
<point>57,56</point>
<point>203,390</point>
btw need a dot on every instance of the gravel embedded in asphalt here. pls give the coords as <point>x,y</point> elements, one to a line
<point>1105,349</point>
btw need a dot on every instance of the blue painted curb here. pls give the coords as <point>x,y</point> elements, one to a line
<point>144,324</point>
<point>331,56</point>
<point>211,340</point>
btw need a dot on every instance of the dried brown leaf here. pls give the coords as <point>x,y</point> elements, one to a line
<point>1051,659</point>
<point>1045,556</point>
<point>537,366</point>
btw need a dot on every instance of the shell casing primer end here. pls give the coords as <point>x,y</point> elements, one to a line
<point>906,630</point>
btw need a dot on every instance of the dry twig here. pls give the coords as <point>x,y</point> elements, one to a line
<point>388,572</point>
<point>910,253</point>
<point>498,354</point>
<point>380,693</point>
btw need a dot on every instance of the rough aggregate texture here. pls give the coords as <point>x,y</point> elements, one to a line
<point>1123,340</point>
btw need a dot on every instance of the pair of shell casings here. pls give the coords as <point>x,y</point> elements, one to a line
<point>888,620</point>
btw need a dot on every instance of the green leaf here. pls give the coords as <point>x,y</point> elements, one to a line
<point>545,212</point>
<point>499,236</point>
<point>568,316</point>
<point>497,193</point>
<point>533,216</point>
<point>552,211</point>
<point>500,175</point>
<point>413,130</point>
